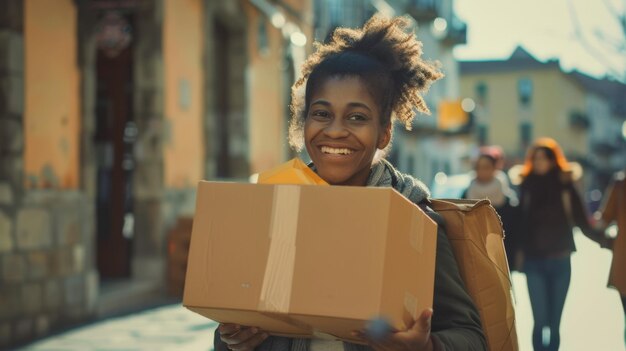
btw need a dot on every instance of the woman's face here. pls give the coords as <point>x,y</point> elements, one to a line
<point>541,163</point>
<point>343,130</point>
<point>485,170</point>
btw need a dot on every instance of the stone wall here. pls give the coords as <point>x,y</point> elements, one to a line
<point>11,102</point>
<point>148,178</point>
<point>47,273</point>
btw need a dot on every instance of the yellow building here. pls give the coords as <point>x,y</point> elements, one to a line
<point>110,112</point>
<point>521,98</point>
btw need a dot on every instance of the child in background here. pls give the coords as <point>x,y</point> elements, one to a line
<point>491,183</point>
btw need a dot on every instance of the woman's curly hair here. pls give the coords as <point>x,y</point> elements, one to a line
<point>385,54</point>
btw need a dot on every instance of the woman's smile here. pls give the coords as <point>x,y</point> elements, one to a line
<point>329,150</point>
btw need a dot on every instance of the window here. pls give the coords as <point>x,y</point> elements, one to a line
<point>482,134</point>
<point>526,133</point>
<point>481,92</point>
<point>525,91</point>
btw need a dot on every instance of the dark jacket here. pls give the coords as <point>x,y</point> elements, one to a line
<point>551,206</point>
<point>455,323</point>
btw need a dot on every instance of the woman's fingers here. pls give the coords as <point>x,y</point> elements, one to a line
<point>243,335</point>
<point>228,329</point>
<point>251,343</point>
<point>423,323</point>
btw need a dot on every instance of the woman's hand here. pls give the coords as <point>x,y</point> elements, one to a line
<point>240,338</point>
<point>416,338</point>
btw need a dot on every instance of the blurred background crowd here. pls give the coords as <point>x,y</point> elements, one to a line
<point>112,110</point>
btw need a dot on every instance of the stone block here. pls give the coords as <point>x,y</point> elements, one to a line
<point>12,94</point>
<point>11,51</point>
<point>68,227</point>
<point>32,298</point>
<point>61,262</point>
<point>148,179</point>
<point>5,335</point>
<point>6,194</point>
<point>34,229</point>
<point>74,314</point>
<point>13,268</point>
<point>149,267</point>
<point>78,254</point>
<point>92,289</point>
<point>10,301</point>
<point>12,170</point>
<point>24,329</point>
<point>6,233</point>
<point>42,325</point>
<point>12,15</point>
<point>38,264</point>
<point>75,290</point>
<point>53,295</point>
<point>149,233</point>
<point>11,136</point>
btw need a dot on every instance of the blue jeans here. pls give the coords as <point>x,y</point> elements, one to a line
<point>548,281</point>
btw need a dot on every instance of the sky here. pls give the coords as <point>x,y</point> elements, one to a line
<point>546,28</point>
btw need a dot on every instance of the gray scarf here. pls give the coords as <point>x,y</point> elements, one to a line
<point>382,174</point>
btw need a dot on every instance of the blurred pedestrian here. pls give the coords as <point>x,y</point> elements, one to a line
<point>354,88</point>
<point>613,210</point>
<point>490,182</point>
<point>550,206</point>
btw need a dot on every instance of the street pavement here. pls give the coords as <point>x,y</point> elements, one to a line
<point>592,319</point>
<point>170,327</point>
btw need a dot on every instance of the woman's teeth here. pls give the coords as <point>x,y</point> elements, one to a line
<point>331,150</point>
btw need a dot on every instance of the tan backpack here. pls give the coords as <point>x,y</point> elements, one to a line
<point>475,232</point>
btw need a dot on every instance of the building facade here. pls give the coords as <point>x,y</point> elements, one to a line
<point>521,98</point>
<point>431,146</point>
<point>110,112</point>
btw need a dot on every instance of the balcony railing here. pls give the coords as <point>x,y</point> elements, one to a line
<point>456,33</point>
<point>424,10</point>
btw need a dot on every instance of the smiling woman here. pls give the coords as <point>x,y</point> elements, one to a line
<point>354,88</point>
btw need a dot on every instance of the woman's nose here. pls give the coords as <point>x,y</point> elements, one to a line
<point>336,129</point>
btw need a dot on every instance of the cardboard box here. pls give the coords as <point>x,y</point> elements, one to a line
<point>302,260</point>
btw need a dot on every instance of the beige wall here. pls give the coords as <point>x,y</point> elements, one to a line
<point>183,44</point>
<point>266,98</point>
<point>267,84</point>
<point>554,97</point>
<point>51,88</point>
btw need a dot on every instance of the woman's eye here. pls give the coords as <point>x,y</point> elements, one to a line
<point>320,114</point>
<point>357,117</point>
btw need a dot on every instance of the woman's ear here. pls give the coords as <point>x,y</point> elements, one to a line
<point>385,137</point>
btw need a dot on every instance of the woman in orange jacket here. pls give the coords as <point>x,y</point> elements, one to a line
<point>550,206</point>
